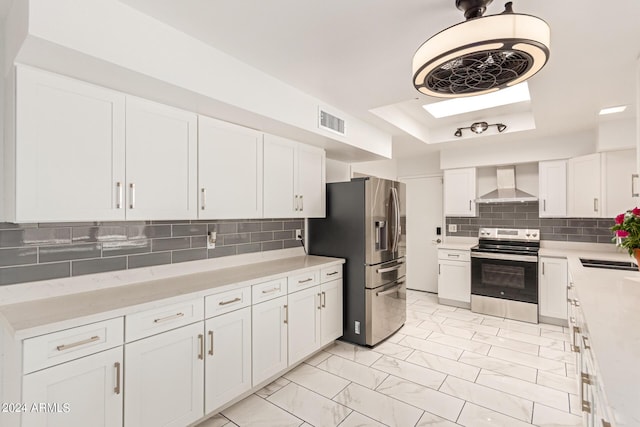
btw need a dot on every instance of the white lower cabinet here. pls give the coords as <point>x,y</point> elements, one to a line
<point>164,378</point>
<point>269,338</point>
<point>331,314</point>
<point>454,277</point>
<point>83,392</point>
<point>304,323</point>
<point>552,286</point>
<point>228,360</point>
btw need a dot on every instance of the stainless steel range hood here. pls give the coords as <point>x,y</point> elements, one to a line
<point>506,191</point>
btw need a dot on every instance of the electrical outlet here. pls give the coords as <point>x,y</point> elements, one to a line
<point>357,327</point>
<point>298,234</point>
<point>211,239</point>
<point>453,228</point>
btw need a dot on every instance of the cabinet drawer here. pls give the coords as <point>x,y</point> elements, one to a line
<point>331,273</point>
<point>454,255</point>
<point>227,301</point>
<point>269,290</point>
<point>162,319</point>
<point>306,280</point>
<point>58,347</point>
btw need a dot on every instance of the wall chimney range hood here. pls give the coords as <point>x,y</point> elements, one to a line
<point>506,191</point>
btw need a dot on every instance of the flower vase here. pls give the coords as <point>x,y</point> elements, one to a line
<point>636,254</point>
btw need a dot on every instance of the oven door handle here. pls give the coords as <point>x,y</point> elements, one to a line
<point>505,257</point>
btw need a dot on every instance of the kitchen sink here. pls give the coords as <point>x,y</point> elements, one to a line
<point>611,265</point>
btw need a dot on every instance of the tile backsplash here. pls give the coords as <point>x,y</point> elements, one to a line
<point>31,252</point>
<point>525,215</point>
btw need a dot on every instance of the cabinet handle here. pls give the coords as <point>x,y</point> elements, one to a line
<point>295,203</point>
<point>575,348</point>
<point>595,205</point>
<point>236,299</point>
<point>388,269</point>
<point>301,204</point>
<point>605,423</point>
<point>119,195</point>
<point>584,343</point>
<point>544,205</point>
<point>268,291</point>
<point>132,188</point>
<point>585,379</point>
<point>204,198</point>
<point>116,389</point>
<point>286,313</point>
<point>304,281</point>
<point>324,299</point>
<point>469,205</point>
<point>319,300</point>
<point>64,347</point>
<point>633,193</point>
<point>543,268</point>
<point>439,269</point>
<point>173,316</point>
<point>211,343</point>
<point>201,341</point>
<point>453,255</point>
<point>332,273</point>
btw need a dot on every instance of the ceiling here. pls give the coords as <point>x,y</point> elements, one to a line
<point>356,55</point>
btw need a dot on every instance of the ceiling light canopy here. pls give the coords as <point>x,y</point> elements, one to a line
<point>479,127</point>
<point>612,110</point>
<point>482,54</point>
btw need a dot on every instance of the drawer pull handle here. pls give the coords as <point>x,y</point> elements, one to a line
<point>77,344</point>
<point>585,379</point>
<point>453,255</point>
<point>173,316</point>
<point>236,299</point>
<point>319,300</point>
<point>116,389</point>
<point>201,342</point>
<point>119,197</point>
<point>388,269</point>
<point>305,280</point>
<point>268,291</point>
<point>324,299</point>
<point>211,343</point>
<point>332,273</point>
<point>286,313</point>
<point>584,343</point>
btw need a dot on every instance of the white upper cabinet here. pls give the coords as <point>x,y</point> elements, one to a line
<point>161,161</point>
<point>552,184</point>
<point>294,179</point>
<point>229,170</point>
<point>621,185</point>
<point>460,192</point>
<point>584,193</point>
<point>69,150</point>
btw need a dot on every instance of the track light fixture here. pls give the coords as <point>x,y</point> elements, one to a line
<point>479,127</point>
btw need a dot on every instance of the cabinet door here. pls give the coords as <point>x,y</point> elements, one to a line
<point>311,181</point>
<point>304,323</point>
<point>90,386</point>
<point>228,366</point>
<point>583,189</point>
<point>268,338</point>
<point>164,378</point>
<point>621,185</point>
<point>70,149</point>
<point>229,170</point>
<point>553,287</point>
<point>454,280</point>
<point>161,162</point>
<point>460,192</point>
<point>552,182</point>
<point>331,313</point>
<point>279,178</point>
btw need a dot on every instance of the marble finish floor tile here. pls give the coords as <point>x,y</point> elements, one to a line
<point>477,416</point>
<point>478,327</point>
<point>317,358</point>
<point>255,411</point>
<point>415,331</point>
<point>443,328</point>
<point>352,371</point>
<point>379,406</point>
<point>500,341</point>
<point>353,352</point>
<point>432,347</point>
<point>356,419</point>
<point>269,389</point>
<point>430,420</point>
<point>461,343</point>
<point>504,367</point>
<point>558,382</point>
<point>395,338</point>
<point>216,421</point>
<point>309,406</point>
<point>419,375</point>
<point>444,365</point>
<point>560,355</point>
<point>542,341</point>
<point>510,325</point>
<point>393,350</point>
<point>555,335</point>
<point>465,315</point>
<point>433,401</point>
<point>322,382</point>
<point>527,359</point>
<point>543,416</point>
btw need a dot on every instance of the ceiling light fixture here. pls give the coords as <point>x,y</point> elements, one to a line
<point>479,127</point>
<point>482,54</point>
<point>612,110</point>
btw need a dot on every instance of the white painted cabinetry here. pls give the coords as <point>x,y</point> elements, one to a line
<point>162,149</point>
<point>621,184</point>
<point>294,179</point>
<point>304,323</point>
<point>460,192</point>
<point>229,170</point>
<point>269,338</point>
<point>69,151</point>
<point>91,388</point>
<point>584,195</point>
<point>552,287</point>
<point>164,378</point>
<point>454,277</point>
<point>331,314</point>
<point>552,185</point>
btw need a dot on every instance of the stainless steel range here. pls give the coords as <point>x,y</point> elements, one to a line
<point>504,273</point>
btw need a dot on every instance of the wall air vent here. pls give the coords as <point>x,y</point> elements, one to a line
<point>331,123</point>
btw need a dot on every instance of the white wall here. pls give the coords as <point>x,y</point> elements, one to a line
<point>616,134</point>
<point>387,169</point>
<point>337,171</point>
<point>524,151</point>
<point>419,166</point>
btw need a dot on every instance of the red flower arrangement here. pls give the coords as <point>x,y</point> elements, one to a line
<point>627,230</point>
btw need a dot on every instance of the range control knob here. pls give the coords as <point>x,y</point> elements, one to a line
<point>534,235</point>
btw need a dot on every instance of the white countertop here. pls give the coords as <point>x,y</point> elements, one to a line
<point>39,316</point>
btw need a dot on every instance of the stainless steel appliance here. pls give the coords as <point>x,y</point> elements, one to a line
<point>504,273</point>
<point>365,225</point>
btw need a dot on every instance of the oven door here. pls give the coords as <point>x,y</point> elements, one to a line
<point>513,277</point>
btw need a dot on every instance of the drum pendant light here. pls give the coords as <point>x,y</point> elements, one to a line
<point>482,54</point>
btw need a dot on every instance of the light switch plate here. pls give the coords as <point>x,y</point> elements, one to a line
<point>453,228</point>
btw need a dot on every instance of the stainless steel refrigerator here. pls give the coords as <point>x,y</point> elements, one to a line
<point>365,224</point>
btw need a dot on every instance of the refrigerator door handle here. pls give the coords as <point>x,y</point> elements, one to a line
<point>396,220</point>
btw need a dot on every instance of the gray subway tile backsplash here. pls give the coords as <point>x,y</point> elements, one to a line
<point>30,252</point>
<point>525,215</point>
